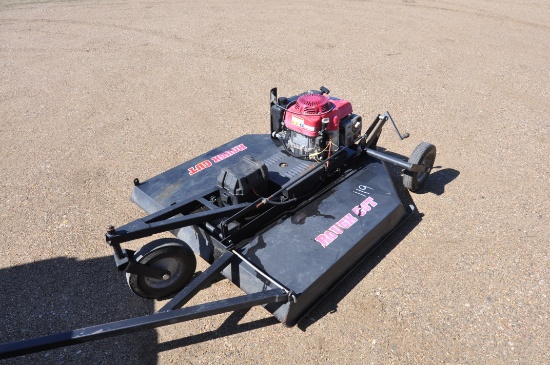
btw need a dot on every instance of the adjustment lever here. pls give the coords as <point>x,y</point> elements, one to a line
<point>401,137</point>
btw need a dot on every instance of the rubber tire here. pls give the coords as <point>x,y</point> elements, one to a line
<point>168,253</point>
<point>423,154</point>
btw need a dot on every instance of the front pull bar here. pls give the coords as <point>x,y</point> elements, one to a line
<point>150,321</point>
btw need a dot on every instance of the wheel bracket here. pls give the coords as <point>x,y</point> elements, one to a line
<point>147,271</point>
<point>419,168</point>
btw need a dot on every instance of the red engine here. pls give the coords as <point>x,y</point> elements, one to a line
<point>313,124</point>
<point>307,114</point>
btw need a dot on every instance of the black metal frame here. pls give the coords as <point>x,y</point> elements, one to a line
<point>159,319</point>
<point>171,313</point>
<point>201,210</point>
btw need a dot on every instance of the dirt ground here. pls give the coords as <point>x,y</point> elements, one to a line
<point>95,93</point>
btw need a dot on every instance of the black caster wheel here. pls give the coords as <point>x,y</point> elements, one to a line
<point>169,254</point>
<point>423,154</point>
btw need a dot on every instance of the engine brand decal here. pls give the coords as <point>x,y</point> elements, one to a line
<point>298,122</point>
<point>346,222</point>
<point>222,156</point>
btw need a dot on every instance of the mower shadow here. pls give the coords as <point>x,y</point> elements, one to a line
<point>62,294</point>
<point>329,304</point>
<point>230,326</point>
<point>437,181</point>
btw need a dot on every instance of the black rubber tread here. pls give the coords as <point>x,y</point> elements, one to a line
<point>162,249</point>
<point>423,154</point>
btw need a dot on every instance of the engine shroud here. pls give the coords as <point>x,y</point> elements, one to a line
<point>314,124</point>
<point>306,114</point>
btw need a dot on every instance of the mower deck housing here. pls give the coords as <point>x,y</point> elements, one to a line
<point>306,252</point>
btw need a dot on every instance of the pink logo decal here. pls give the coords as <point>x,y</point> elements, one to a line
<point>326,238</point>
<point>229,153</point>
<point>222,156</point>
<point>199,167</point>
<point>336,229</point>
<point>364,207</point>
<point>346,222</point>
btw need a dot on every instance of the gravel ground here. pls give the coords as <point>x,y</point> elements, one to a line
<point>95,93</point>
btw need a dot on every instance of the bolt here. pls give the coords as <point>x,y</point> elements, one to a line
<point>111,229</point>
<point>165,277</point>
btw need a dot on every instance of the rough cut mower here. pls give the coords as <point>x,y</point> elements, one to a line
<point>283,216</point>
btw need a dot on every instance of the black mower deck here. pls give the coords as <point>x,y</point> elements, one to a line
<point>304,253</point>
<point>283,216</point>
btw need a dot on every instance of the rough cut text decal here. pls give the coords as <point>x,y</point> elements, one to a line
<point>346,222</point>
<point>222,156</point>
